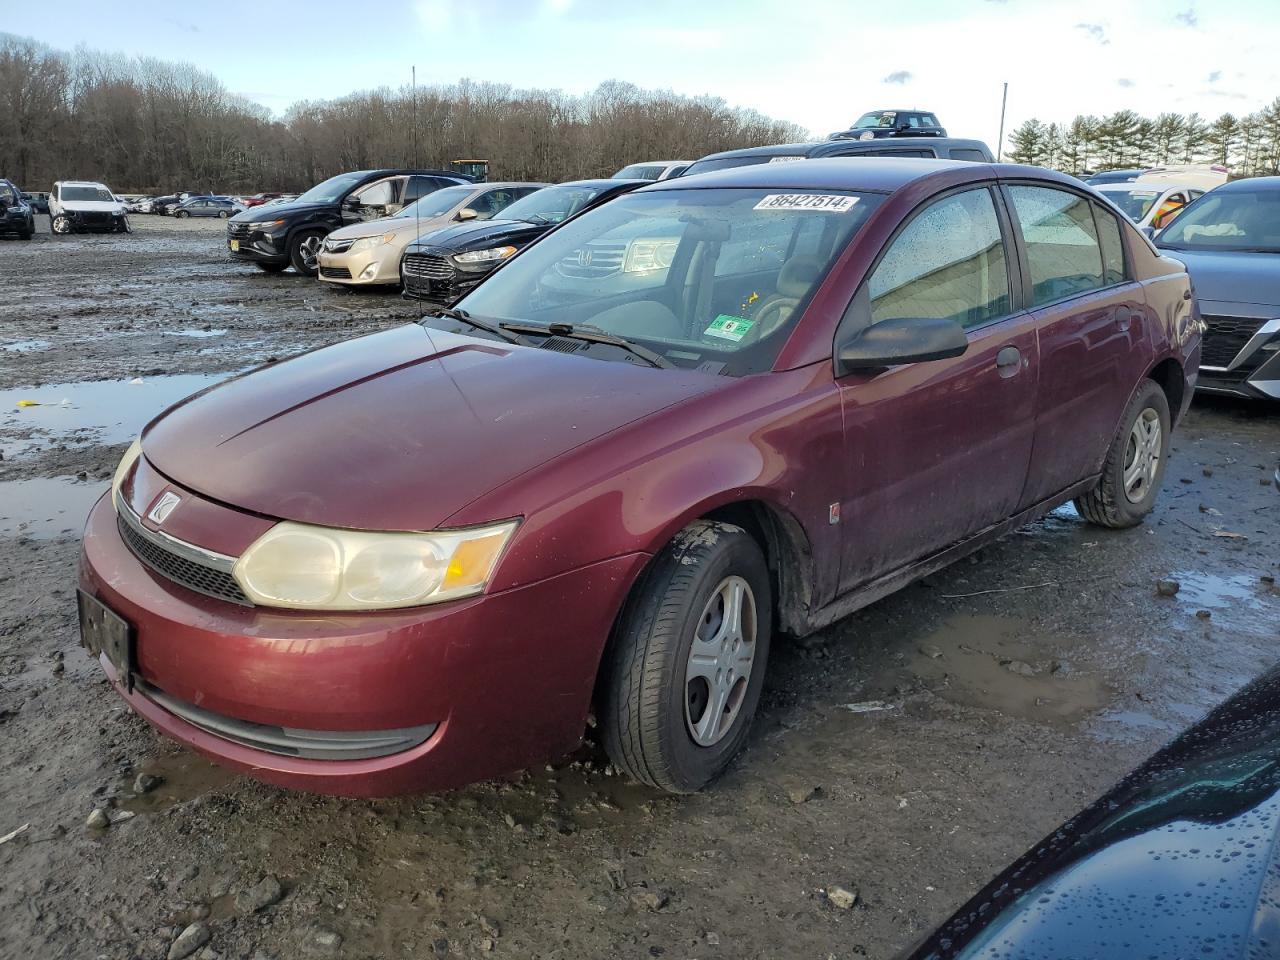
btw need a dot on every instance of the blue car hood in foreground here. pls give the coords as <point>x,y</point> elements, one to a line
<point>1179,860</point>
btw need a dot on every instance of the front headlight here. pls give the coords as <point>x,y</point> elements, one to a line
<point>265,224</point>
<point>306,567</point>
<point>368,243</point>
<point>126,463</point>
<point>644,256</point>
<point>483,256</point>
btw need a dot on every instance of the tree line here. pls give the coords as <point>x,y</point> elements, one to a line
<point>1249,144</point>
<point>152,126</point>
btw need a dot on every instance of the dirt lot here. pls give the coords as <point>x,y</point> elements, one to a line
<point>1014,688</point>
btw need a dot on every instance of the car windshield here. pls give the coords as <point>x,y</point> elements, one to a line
<point>878,118</point>
<point>551,204</point>
<point>335,188</point>
<point>640,171</point>
<point>1134,202</point>
<point>708,279</point>
<point>729,163</point>
<point>1240,220</point>
<point>83,194</point>
<point>436,204</point>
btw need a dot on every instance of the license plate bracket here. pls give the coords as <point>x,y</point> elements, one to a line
<point>102,630</point>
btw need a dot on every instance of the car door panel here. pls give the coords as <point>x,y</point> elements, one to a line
<point>936,451</point>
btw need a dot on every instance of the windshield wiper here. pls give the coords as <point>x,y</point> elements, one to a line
<point>452,313</point>
<point>593,335</point>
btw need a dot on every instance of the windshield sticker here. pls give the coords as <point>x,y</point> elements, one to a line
<point>729,328</point>
<point>784,159</point>
<point>1145,193</point>
<point>807,201</point>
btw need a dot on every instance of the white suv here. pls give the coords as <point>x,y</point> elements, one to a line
<point>76,205</point>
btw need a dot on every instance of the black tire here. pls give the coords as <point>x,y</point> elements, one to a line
<point>646,700</point>
<point>222,214</point>
<point>1114,503</point>
<point>272,267</point>
<point>298,257</point>
<point>62,219</point>
<point>181,215</point>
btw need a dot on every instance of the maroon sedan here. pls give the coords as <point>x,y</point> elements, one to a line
<point>706,412</point>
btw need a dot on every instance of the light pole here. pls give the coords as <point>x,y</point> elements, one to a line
<point>1004,99</point>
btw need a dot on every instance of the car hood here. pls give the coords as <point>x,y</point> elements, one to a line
<point>279,212</point>
<point>399,225</point>
<point>398,430</point>
<point>485,233</point>
<point>92,206</point>
<point>1232,277</point>
<point>1180,858</point>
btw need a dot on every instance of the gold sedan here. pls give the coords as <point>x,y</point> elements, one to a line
<point>368,254</point>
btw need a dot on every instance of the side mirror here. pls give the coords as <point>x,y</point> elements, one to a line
<point>352,203</point>
<point>467,213</point>
<point>901,340</point>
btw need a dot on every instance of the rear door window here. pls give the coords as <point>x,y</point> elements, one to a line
<point>1063,252</point>
<point>948,263</point>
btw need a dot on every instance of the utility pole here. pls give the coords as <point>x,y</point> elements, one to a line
<point>1004,99</point>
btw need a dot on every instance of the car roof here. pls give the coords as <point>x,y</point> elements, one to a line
<point>1249,183</point>
<point>871,174</point>
<point>81,183</point>
<point>804,149</point>
<point>598,182</point>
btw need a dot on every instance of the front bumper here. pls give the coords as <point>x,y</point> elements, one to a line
<point>497,682</point>
<point>1240,355</point>
<point>348,267</point>
<point>256,246</point>
<point>431,274</point>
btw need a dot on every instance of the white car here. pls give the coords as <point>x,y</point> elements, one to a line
<point>652,170</point>
<point>1158,195</point>
<point>80,205</point>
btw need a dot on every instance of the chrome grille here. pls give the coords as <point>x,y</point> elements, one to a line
<point>337,246</point>
<point>187,566</point>
<point>593,260</point>
<point>237,231</point>
<point>426,266</point>
<point>1225,338</point>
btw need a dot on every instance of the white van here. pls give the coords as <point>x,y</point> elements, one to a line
<point>80,205</point>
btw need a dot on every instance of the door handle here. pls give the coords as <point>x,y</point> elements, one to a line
<point>1124,317</point>
<point>1008,357</point>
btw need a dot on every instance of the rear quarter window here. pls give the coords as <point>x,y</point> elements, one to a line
<point>1113,268</point>
<point>968,153</point>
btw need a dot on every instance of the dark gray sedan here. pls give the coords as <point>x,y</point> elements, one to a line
<point>205,207</point>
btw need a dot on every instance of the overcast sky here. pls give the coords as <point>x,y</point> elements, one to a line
<point>819,63</point>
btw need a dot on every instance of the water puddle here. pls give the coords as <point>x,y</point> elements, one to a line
<point>110,411</point>
<point>184,776</point>
<point>44,507</point>
<point>195,333</point>
<point>997,663</point>
<point>23,346</point>
<point>1207,591</point>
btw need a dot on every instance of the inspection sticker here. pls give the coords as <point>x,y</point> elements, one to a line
<point>787,158</point>
<point>729,328</point>
<point>807,201</point>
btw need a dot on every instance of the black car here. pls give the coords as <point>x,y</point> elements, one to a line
<point>892,123</point>
<point>39,201</point>
<point>944,148</point>
<point>443,265</point>
<point>281,235</point>
<point>16,215</point>
<point>1181,859</point>
<point>1229,239</point>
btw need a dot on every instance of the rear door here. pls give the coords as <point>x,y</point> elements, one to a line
<point>937,451</point>
<point>1089,317</point>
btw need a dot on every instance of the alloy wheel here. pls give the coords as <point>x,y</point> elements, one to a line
<point>310,250</point>
<point>1142,456</point>
<point>718,670</point>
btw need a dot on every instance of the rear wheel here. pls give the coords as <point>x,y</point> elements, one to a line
<point>1134,468</point>
<point>222,214</point>
<point>686,664</point>
<point>304,251</point>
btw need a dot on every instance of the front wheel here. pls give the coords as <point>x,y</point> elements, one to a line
<point>61,224</point>
<point>686,664</point>
<point>182,214</point>
<point>304,252</point>
<point>1135,464</point>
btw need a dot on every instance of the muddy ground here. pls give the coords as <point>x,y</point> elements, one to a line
<point>1015,689</point>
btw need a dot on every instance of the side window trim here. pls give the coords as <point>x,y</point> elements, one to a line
<point>1016,300</point>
